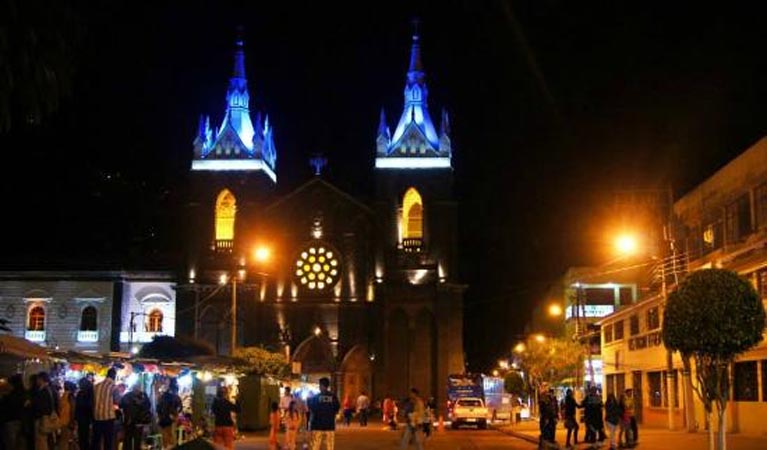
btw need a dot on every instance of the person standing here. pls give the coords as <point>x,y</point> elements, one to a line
<point>274,425</point>
<point>363,408</point>
<point>390,412</point>
<point>323,408</point>
<point>67,416</point>
<point>105,399</point>
<point>592,405</point>
<point>44,409</point>
<point>222,410</point>
<point>137,415</point>
<point>348,411</point>
<point>84,413</point>
<point>414,414</point>
<point>169,407</point>
<point>569,410</point>
<point>13,413</point>
<point>292,422</point>
<point>629,413</point>
<point>285,400</point>
<point>613,417</point>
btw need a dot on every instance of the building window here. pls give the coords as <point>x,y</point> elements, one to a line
<point>36,319</point>
<point>610,385</point>
<point>738,219</point>
<point>760,206</point>
<point>226,209</point>
<point>745,382</point>
<point>154,323</point>
<point>608,334</point>
<point>620,383</point>
<point>626,296</point>
<point>412,215</point>
<point>676,389</point>
<point>653,319</point>
<point>634,325</point>
<point>656,388</point>
<point>89,319</point>
<point>618,331</point>
<point>713,235</point>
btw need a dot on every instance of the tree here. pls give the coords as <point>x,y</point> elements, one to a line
<point>179,347</point>
<point>712,317</point>
<point>262,361</point>
<point>551,361</point>
<point>514,384</point>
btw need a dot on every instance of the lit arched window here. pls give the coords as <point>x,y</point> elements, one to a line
<point>412,215</point>
<point>154,324</point>
<point>36,319</point>
<point>226,208</point>
<point>89,319</point>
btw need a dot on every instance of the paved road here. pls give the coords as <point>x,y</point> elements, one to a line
<point>374,438</point>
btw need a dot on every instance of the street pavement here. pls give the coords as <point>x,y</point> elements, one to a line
<point>649,438</point>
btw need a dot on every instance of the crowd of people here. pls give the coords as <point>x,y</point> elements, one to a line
<point>84,416</point>
<point>617,413</point>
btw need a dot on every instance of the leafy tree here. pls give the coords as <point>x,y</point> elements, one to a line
<point>262,361</point>
<point>712,317</point>
<point>551,361</point>
<point>514,384</point>
<point>179,347</point>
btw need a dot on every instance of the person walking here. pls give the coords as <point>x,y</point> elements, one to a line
<point>613,417</point>
<point>67,416</point>
<point>13,413</point>
<point>292,422</point>
<point>222,410</point>
<point>137,415</point>
<point>569,411</point>
<point>363,408</point>
<point>274,425</point>
<point>629,418</point>
<point>414,413</point>
<point>323,408</point>
<point>169,408</point>
<point>348,411</point>
<point>390,412</point>
<point>287,397</point>
<point>84,413</point>
<point>595,429</point>
<point>105,398</point>
<point>44,410</point>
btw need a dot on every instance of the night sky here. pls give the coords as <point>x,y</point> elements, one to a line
<point>553,104</point>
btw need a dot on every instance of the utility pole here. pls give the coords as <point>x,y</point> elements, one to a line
<point>233,344</point>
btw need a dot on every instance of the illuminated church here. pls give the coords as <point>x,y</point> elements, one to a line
<point>363,292</point>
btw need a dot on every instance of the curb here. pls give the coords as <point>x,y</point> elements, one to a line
<point>518,435</point>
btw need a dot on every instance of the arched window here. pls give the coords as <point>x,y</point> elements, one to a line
<point>89,319</point>
<point>226,209</point>
<point>412,215</point>
<point>154,323</point>
<point>36,319</point>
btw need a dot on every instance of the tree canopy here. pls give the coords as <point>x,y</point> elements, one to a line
<point>262,361</point>
<point>551,361</point>
<point>180,347</point>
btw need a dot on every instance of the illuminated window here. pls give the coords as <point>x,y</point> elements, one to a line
<point>317,268</point>
<point>89,319</point>
<point>36,319</point>
<point>412,215</point>
<point>154,324</point>
<point>226,209</point>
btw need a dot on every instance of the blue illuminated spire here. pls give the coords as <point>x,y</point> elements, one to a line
<point>238,145</point>
<point>415,142</point>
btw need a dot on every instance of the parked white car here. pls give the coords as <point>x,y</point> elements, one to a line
<point>469,411</point>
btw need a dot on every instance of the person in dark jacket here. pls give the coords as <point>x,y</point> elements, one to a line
<point>222,410</point>
<point>43,404</point>
<point>595,429</point>
<point>613,417</point>
<point>137,415</point>
<point>569,409</point>
<point>13,413</point>
<point>84,412</point>
<point>323,408</point>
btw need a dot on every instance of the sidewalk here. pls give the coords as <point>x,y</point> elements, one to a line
<point>649,438</point>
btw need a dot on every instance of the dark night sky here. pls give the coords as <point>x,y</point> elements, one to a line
<point>553,104</point>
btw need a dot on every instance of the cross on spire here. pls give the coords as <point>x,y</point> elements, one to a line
<point>318,162</point>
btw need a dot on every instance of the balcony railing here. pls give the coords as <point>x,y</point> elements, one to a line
<point>87,336</point>
<point>412,245</point>
<point>224,245</point>
<point>35,336</point>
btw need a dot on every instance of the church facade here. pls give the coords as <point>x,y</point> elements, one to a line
<point>365,292</point>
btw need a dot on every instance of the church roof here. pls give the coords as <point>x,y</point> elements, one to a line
<point>415,143</point>
<point>238,145</point>
<point>319,181</point>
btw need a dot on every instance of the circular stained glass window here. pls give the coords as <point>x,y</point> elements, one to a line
<point>317,268</point>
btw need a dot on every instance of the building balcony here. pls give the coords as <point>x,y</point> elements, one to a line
<point>224,245</point>
<point>87,336</point>
<point>35,335</point>
<point>412,245</point>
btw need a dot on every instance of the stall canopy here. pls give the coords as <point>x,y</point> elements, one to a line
<point>20,348</point>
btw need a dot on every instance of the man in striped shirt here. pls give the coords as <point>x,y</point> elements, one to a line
<point>105,397</point>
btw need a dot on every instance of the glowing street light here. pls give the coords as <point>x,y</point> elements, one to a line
<point>539,338</point>
<point>555,310</point>
<point>223,279</point>
<point>495,372</point>
<point>626,244</point>
<point>520,348</point>
<point>317,331</point>
<point>262,254</point>
<point>503,364</point>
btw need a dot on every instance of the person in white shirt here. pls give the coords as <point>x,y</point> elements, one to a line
<point>363,408</point>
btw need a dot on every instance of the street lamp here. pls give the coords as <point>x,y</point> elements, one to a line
<point>520,348</point>
<point>262,253</point>
<point>539,338</point>
<point>555,310</point>
<point>626,244</point>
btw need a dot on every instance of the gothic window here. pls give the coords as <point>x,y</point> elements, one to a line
<point>317,268</point>
<point>226,209</point>
<point>412,215</point>
<point>36,319</point>
<point>89,319</point>
<point>154,323</point>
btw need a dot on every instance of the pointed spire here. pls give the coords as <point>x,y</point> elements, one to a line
<point>445,123</point>
<point>239,55</point>
<point>383,130</point>
<point>415,50</point>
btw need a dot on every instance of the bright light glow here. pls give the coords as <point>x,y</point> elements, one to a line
<point>415,162</point>
<point>539,338</point>
<point>262,254</point>
<point>134,350</point>
<point>316,268</point>
<point>495,372</point>
<point>317,331</point>
<point>192,275</point>
<point>130,380</point>
<point>185,381</point>
<point>520,348</point>
<point>222,279</point>
<point>555,310</point>
<point>224,165</point>
<point>626,244</point>
<point>503,364</point>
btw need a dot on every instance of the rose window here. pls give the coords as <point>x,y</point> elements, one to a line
<point>317,268</point>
